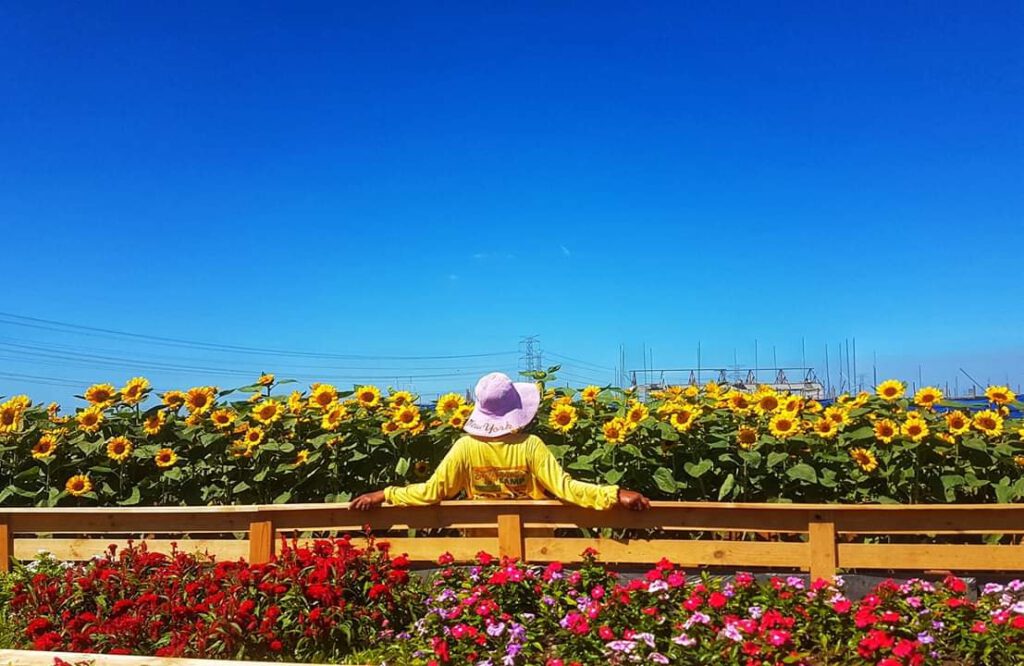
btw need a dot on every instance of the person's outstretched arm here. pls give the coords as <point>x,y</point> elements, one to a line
<point>446,482</point>
<point>557,482</point>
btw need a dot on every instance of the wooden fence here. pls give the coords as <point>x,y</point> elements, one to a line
<point>808,537</point>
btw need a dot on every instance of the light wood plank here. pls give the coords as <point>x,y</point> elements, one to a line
<point>510,536</point>
<point>686,553</point>
<point>83,549</point>
<point>261,541</point>
<point>821,540</point>
<point>6,545</point>
<point>950,557</point>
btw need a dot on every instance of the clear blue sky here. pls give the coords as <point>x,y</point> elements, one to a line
<point>404,179</point>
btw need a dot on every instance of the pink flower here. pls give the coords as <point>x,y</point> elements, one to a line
<point>979,627</point>
<point>777,637</point>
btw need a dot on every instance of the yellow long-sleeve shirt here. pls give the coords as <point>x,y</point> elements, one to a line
<point>512,467</point>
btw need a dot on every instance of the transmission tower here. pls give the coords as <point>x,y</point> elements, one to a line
<point>529,348</point>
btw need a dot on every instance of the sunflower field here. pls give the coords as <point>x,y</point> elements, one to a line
<point>265,443</point>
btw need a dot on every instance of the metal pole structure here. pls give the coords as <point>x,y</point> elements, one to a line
<point>828,376</point>
<point>698,362</point>
<point>855,380</point>
<point>755,360</point>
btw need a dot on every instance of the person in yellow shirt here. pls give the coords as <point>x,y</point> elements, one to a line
<point>495,460</point>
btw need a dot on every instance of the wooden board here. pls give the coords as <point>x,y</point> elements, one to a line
<point>685,553</point>
<point>946,557</point>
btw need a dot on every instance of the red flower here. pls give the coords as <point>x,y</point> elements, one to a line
<point>905,648</point>
<point>979,627</point>
<point>606,633</point>
<point>955,585</point>
<point>717,600</point>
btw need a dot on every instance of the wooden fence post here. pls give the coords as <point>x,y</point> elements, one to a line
<point>510,536</point>
<point>6,545</point>
<point>821,540</point>
<point>261,541</point>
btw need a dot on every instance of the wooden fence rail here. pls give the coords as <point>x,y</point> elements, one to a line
<point>815,534</point>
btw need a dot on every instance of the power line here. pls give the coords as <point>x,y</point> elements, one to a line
<point>58,326</point>
<point>595,366</point>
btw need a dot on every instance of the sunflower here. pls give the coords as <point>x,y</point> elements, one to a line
<point>254,398</point>
<point>222,419</point>
<point>563,418</point>
<point>636,414</point>
<point>793,404</point>
<point>464,411</point>
<point>865,459</point>
<point>946,437</point>
<point>915,429</point>
<point>615,431</point>
<point>101,394</point>
<point>988,422</point>
<point>301,458</point>
<point>78,485</point>
<point>812,407</point>
<point>400,399</point>
<point>417,429</point>
<point>165,458</point>
<point>891,389</point>
<point>928,397</point>
<point>957,422</point>
<point>154,422</point>
<point>1019,460</point>
<point>390,427</point>
<point>825,428</point>
<point>837,415</point>
<point>683,419</point>
<point>368,396</point>
<point>784,425</point>
<point>90,419</point>
<point>253,436</point>
<point>746,437</point>
<point>199,399</point>
<point>407,417</point>
<point>590,393</point>
<point>421,468</point>
<point>766,401</point>
<point>266,379</point>
<point>134,390</point>
<point>457,421</point>
<point>11,417</point>
<point>1000,395</point>
<point>712,390</point>
<point>333,417</point>
<point>45,447</point>
<point>322,396</point>
<point>738,402</point>
<point>119,448</point>
<point>173,399</point>
<point>268,411</point>
<point>886,430</point>
<point>449,402</point>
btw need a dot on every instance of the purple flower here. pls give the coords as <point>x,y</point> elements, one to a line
<point>684,640</point>
<point>658,658</point>
<point>657,586</point>
<point>755,612</point>
<point>924,638</point>
<point>622,646</point>
<point>496,629</point>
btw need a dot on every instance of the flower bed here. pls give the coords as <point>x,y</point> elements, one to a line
<point>333,602</point>
<point>209,446</point>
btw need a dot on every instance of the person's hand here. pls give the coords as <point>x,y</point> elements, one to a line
<point>633,500</point>
<point>368,501</point>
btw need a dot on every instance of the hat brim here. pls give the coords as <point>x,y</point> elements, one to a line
<point>496,425</point>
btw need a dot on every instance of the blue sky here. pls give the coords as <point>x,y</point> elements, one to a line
<point>397,179</point>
